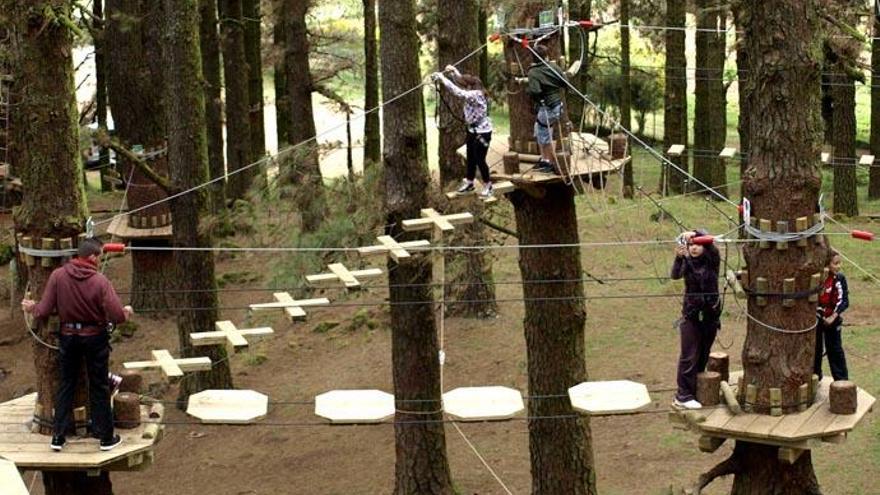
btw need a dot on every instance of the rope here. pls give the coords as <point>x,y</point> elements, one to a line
<point>482,459</point>
<point>288,149</point>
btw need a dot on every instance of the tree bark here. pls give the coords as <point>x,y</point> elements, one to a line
<point>304,171</point>
<point>482,37</point>
<point>578,10</point>
<point>560,450</point>
<point>188,157</point>
<point>675,126</point>
<point>625,94</point>
<point>710,126</point>
<point>372,129</point>
<point>843,95</point>
<point>283,119</point>
<point>235,79</point>
<point>745,87</point>
<point>98,35</point>
<point>874,176</point>
<point>421,463</point>
<point>136,91</point>
<point>253,21</point>
<point>457,24</point>
<point>209,41</point>
<point>783,183</point>
<point>46,159</point>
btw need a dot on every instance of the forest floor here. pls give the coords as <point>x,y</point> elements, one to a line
<point>294,452</point>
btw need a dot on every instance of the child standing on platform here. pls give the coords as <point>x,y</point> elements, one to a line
<point>479,126</point>
<point>833,301</point>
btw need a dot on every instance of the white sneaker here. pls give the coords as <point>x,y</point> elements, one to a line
<point>690,404</point>
<point>466,186</point>
<point>487,191</point>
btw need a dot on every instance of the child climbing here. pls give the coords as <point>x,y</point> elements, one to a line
<point>833,301</point>
<point>479,127</point>
<point>546,82</point>
<point>698,265</point>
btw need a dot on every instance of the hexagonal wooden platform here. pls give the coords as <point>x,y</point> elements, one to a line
<point>609,397</point>
<point>30,451</point>
<point>483,403</point>
<point>789,430</point>
<point>10,479</point>
<point>355,406</point>
<point>228,406</point>
<point>120,228</point>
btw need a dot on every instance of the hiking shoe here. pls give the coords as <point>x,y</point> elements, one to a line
<point>466,187</point>
<point>544,167</point>
<point>109,444</point>
<point>115,382</point>
<point>58,442</point>
<point>688,404</point>
<point>487,190</point>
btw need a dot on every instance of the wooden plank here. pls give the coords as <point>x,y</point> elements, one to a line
<point>388,243</point>
<point>289,305</point>
<point>789,455</point>
<point>167,363</point>
<point>119,227</point>
<point>710,444</point>
<point>763,425</point>
<point>825,157</point>
<point>343,274</point>
<point>791,423</point>
<point>675,150</point>
<point>231,333</point>
<point>10,479</point>
<point>867,160</point>
<point>727,153</point>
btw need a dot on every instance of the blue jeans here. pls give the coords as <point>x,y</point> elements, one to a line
<point>547,118</point>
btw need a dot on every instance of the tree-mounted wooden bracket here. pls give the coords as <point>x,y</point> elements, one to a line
<point>227,333</point>
<point>293,309</point>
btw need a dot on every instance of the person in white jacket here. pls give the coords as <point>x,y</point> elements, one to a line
<point>479,127</point>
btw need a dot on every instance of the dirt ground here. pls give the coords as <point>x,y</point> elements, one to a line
<point>293,452</point>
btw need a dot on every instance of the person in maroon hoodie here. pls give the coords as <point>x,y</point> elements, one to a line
<point>86,304</point>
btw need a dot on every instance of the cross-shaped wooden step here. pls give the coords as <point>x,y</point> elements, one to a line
<point>172,367</point>
<point>227,332</point>
<point>502,187</point>
<point>293,308</point>
<point>440,223</point>
<point>339,273</point>
<point>389,246</point>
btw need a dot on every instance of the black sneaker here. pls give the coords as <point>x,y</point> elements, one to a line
<point>58,442</point>
<point>544,167</point>
<point>111,443</point>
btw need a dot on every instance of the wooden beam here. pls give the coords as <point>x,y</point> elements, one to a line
<point>293,308</point>
<point>710,444</point>
<point>389,246</point>
<point>789,455</point>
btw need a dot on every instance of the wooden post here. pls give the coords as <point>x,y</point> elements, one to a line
<point>720,362</point>
<point>762,287</point>
<point>730,398</point>
<point>802,224</point>
<point>80,420</point>
<point>66,243</point>
<point>775,402</point>
<point>843,397</point>
<point>814,387</point>
<point>127,410</point>
<point>788,288</point>
<point>751,396</point>
<point>765,225</point>
<point>803,397</point>
<point>511,163</point>
<point>708,388</point>
<point>815,280</point>
<point>132,381</point>
<point>782,228</point>
<point>27,242</point>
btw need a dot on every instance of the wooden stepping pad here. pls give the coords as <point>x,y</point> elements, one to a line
<point>483,403</point>
<point>727,153</point>
<point>675,150</point>
<point>825,157</point>
<point>10,479</point>
<point>440,223</point>
<point>355,406</point>
<point>339,273</point>
<point>866,160</point>
<point>294,309</point>
<point>389,246</point>
<point>228,406</point>
<point>163,360</point>
<point>611,397</point>
<point>227,332</point>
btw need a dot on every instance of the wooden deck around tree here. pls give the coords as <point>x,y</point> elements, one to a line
<point>789,430</point>
<point>30,451</point>
<point>120,228</point>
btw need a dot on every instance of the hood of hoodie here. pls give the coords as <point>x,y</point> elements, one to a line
<point>80,269</point>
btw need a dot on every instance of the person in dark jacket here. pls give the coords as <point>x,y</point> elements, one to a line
<point>86,304</point>
<point>698,265</point>
<point>833,301</point>
<point>546,82</point>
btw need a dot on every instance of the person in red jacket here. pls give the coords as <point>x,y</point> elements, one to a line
<point>86,304</point>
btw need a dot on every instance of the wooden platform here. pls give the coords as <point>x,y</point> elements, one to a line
<point>10,479</point>
<point>120,228</point>
<point>30,451</point>
<point>789,430</point>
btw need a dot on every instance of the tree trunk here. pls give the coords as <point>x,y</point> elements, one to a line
<point>188,157</point>
<point>483,36</point>
<point>372,130</point>
<point>874,178</point>
<point>710,131</point>
<point>578,10</point>
<point>783,183</point>
<point>421,463</point>
<point>253,21</point>
<point>625,94</point>
<point>843,95</point>
<point>136,89</point>
<point>283,119</point>
<point>457,24</point>
<point>209,41</point>
<point>46,159</point>
<point>675,122</point>
<point>745,87</point>
<point>235,79</point>
<point>101,88</point>
<point>560,450</point>
<point>304,171</point>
